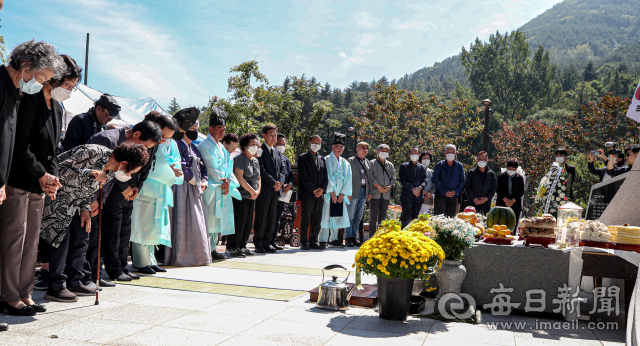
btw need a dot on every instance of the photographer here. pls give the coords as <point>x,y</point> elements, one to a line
<point>631,153</point>
<point>602,172</point>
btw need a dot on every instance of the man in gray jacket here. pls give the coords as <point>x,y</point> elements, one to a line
<point>383,178</point>
<point>361,191</point>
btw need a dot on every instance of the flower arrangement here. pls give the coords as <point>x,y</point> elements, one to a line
<point>393,252</point>
<point>421,224</point>
<point>553,191</point>
<point>454,235</point>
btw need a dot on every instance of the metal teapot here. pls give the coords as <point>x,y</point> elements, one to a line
<point>333,294</point>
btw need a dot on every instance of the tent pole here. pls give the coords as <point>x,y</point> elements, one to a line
<point>86,61</point>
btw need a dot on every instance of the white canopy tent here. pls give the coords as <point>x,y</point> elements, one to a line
<point>132,110</point>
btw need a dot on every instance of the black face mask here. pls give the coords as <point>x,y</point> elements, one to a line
<point>178,136</point>
<point>192,135</point>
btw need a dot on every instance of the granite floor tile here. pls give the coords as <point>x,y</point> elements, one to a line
<point>36,340</point>
<point>91,329</point>
<point>127,294</point>
<point>83,307</point>
<point>552,327</point>
<point>167,336</point>
<point>465,333</point>
<point>372,338</point>
<point>527,339</point>
<point>27,323</point>
<point>138,313</point>
<point>290,333</point>
<point>257,341</point>
<point>257,308</point>
<point>370,321</point>
<point>214,322</point>
<point>185,300</point>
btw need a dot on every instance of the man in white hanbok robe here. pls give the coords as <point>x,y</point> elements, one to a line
<point>338,191</point>
<point>223,185</point>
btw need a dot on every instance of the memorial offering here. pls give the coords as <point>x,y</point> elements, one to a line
<point>568,225</point>
<point>538,227</point>
<point>501,216</point>
<point>594,231</point>
<point>625,234</point>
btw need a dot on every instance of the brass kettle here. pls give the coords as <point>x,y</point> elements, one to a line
<point>334,295</point>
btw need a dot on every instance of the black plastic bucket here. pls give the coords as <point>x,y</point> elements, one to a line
<point>394,297</point>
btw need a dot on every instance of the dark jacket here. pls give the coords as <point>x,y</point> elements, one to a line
<point>272,170</point>
<point>288,176</point>
<point>572,171</point>
<point>311,176</point>
<point>37,137</point>
<point>80,129</point>
<point>477,187</point>
<point>600,172</point>
<point>616,171</point>
<point>517,191</point>
<point>9,102</point>
<point>412,176</point>
<point>448,178</point>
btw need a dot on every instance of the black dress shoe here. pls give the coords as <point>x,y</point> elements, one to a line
<point>217,256</point>
<point>270,250</point>
<point>336,243</point>
<point>259,250</point>
<point>132,275</point>
<point>349,243</point>
<point>323,245</point>
<point>356,243</point>
<point>275,246</point>
<point>123,277</point>
<point>237,253</point>
<point>158,269</point>
<point>105,283</point>
<point>146,270</point>
<point>315,246</point>
<point>4,327</point>
<point>38,307</point>
<point>82,290</point>
<point>247,252</point>
<point>304,246</point>
<point>23,311</point>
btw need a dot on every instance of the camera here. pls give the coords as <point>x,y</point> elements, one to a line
<point>613,148</point>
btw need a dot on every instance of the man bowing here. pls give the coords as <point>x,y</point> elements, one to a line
<point>223,184</point>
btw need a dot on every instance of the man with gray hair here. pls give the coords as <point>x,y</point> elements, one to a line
<point>383,178</point>
<point>31,64</point>
<point>448,177</point>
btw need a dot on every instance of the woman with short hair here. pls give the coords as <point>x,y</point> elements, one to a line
<point>511,188</point>
<point>426,157</point>
<point>247,170</point>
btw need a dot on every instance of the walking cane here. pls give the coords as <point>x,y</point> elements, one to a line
<point>99,240</point>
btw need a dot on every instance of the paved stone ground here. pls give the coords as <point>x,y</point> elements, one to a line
<point>130,315</point>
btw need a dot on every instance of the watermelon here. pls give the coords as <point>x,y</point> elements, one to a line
<point>501,216</point>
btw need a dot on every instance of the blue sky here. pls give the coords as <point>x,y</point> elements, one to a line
<point>184,49</point>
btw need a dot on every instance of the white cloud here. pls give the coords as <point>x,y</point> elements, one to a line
<point>361,50</point>
<point>366,20</point>
<point>367,39</point>
<point>342,55</point>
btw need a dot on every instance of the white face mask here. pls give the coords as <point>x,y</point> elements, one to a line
<point>315,147</point>
<point>60,94</point>
<point>482,164</point>
<point>511,173</point>
<point>559,159</point>
<point>382,155</point>
<point>426,162</point>
<point>414,157</point>
<point>252,150</point>
<point>450,157</point>
<point>31,87</point>
<point>281,148</point>
<point>122,176</point>
<point>259,152</point>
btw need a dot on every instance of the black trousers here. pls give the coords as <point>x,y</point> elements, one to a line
<point>116,232</point>
<point>66,261</point>
<point>91,257</point>
<point>266,208</point>
<point>243,218</point>
<point>276,228</point>
<point>445,205</point>
<point>482,208</point>
<point>410,211</point>
<point>309,210</point>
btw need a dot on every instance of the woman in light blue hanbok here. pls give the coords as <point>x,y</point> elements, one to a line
<point>338,191</point>
<point>150,224</point>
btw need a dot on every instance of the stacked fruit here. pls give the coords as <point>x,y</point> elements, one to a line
<point>498,232</point>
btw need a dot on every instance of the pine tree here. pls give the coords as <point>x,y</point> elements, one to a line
<point>589,72</point>
<point>348,98</point>
<point>174,107</point>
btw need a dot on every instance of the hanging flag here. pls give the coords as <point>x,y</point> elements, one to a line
<point>634,108</point>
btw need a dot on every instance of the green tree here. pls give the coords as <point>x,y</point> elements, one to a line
<point>503,71</point>
<point>589,72</point>
<point>174,107</point>
<point>569,78</point>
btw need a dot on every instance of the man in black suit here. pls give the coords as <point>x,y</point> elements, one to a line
<point>272,174</point>
<point>561,159</point>
<point>511,188</point>
<point>281,145</point>
<point>312,181</point>
<point>413,177</point>
<point>84,126</point>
